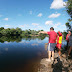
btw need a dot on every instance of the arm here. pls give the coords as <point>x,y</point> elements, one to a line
<point>44,32</point>
<point>67,37</point>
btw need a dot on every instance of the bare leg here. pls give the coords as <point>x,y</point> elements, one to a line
<point>49,54</point>
<point>52,54</point>
<point>69,50</point>
<point>59,52</point>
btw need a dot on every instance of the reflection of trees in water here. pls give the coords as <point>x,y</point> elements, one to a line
<point>10,39</point>
<point>46,45</point>
<point>19,38</point>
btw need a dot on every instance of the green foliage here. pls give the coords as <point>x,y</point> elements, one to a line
<point>10,39</point>
<point>69,7</point>
<point>64,34</point>
<point>1,28</point>
<point>18,32</point>
<point>42,36</point>
<point>68,25</point>
<point>69,11</point>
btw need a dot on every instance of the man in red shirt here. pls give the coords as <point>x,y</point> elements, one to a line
<point>52,42</point>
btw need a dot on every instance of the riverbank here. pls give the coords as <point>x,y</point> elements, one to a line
<point>60,64</point>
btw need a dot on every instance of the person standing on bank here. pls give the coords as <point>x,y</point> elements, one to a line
<point>52,42</point>
<point>70,43</point>
<point>67,39</point>
<point>59,43</point>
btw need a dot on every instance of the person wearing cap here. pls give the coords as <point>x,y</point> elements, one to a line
<point>70,43</point>
<point>67,39</point>
<point>59,42</point>
<point>52,42</point>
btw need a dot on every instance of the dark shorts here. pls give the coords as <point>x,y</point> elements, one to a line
<point>57,49</point>
<point>51,46</point>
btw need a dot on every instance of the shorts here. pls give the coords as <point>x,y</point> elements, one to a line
<point>51,46</point>
<point>70,44</point>
<point>57,49</point>
<point>58,46</point>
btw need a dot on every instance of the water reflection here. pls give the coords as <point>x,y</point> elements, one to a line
<point>19,54</point>
<point>19,38</point>
<point>34,44</point>
<point>6,49</point>
<point>46,45</point>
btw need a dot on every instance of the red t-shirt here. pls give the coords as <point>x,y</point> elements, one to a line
<point>52,36</point>
<point>67,37</point>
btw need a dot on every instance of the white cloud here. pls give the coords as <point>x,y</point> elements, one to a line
<point>40,27</point>
<point>39,15</point>
<point>56,25</point>
<point>1,15</point>
<point>62,25</point>
<point>35,24</point>
<point>48,22</point>
<point>6,19</point>
<point>21,25</point>
<point>54,15</point>
<point>25,25</point>
<point>19,14</point>
<point>30,12</point>
<point>57,4</point>
<point>7,25</point>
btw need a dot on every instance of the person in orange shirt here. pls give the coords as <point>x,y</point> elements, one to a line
<point>59,42</point>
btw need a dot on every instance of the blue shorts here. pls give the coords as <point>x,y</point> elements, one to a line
<point>51,46</point>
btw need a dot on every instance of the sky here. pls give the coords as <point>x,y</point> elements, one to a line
<point>33,14</point>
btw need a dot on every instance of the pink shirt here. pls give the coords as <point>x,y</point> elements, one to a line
<point>52,36</point>
<point>67,37</point>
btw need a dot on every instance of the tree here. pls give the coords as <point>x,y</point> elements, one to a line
<point>1,28</point>
<point>69,11</point>
<point>69,7</point>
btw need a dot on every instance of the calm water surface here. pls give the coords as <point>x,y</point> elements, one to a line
<point>23,56</point>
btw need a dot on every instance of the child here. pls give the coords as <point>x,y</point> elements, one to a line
<point>59,42</point>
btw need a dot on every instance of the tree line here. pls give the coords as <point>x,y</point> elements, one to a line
<point>19,32</point>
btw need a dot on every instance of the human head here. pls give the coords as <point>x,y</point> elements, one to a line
<point>51,29</point>
<point>59,33</point>
<point>69,32</point>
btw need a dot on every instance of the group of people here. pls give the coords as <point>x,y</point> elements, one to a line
<point>55,41</point>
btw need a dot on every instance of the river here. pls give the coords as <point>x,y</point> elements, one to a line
<point>22,56</point>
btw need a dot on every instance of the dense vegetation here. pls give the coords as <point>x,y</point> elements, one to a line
<point>18,34</point>
<point>69,11</point>
<point>69,22</point>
